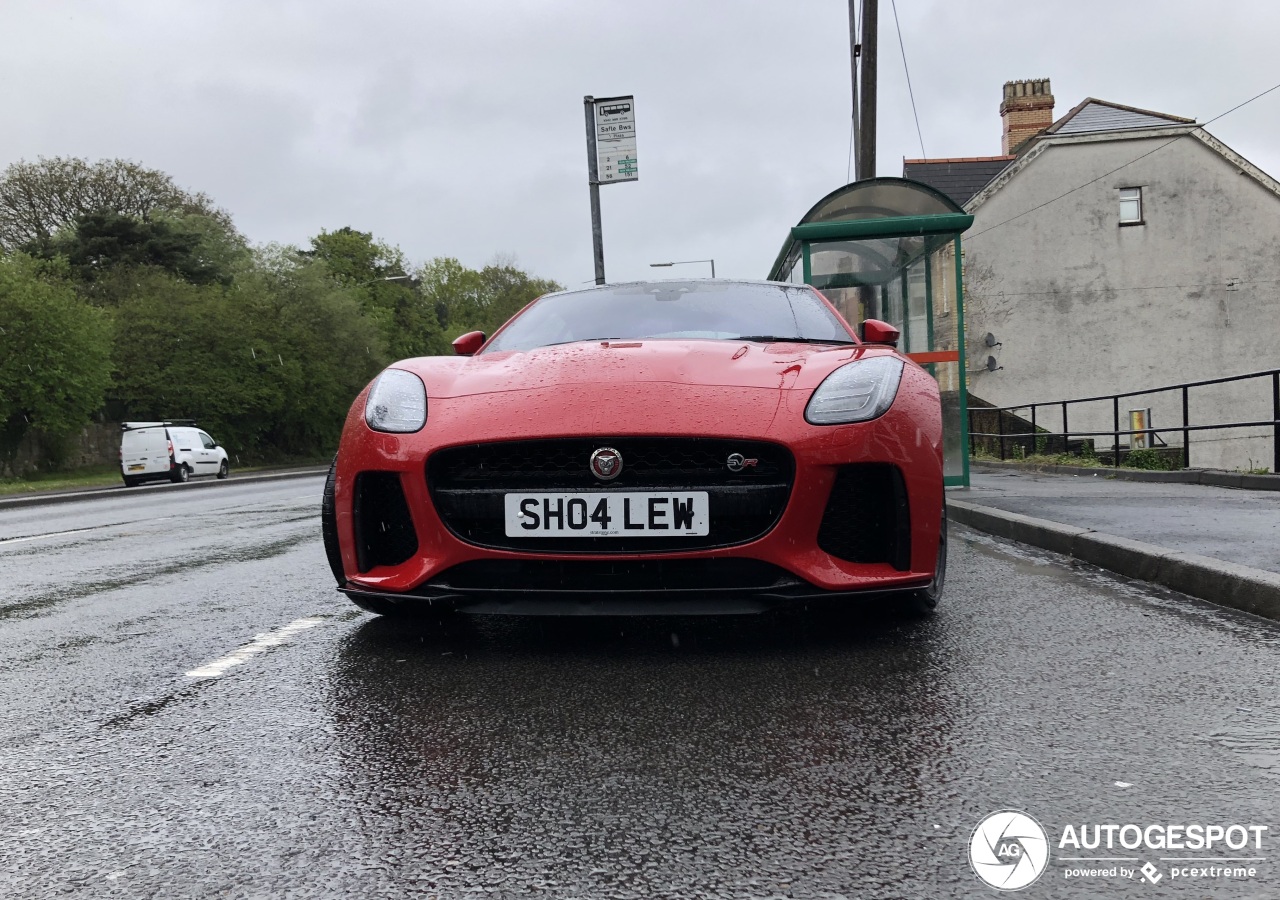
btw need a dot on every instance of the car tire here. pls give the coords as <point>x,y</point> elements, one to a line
<point>180,474</point>
<point>329,526</point>
<point>924,601</point>
<point>132,481</point>
<point>223,470</point>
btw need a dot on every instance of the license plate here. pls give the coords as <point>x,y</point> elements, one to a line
<point>137,467</point>
<point>599,514</point>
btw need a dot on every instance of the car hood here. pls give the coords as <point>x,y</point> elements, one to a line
<point>711,363</point>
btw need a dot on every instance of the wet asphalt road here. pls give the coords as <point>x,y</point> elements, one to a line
<point>816,755</point>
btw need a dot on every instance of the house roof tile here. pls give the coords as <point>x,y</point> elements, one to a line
<point>957,177</point>
<point>1093,116</point>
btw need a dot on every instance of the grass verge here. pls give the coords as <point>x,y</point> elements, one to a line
<point>1045,459</point>
<point>107,476</point>
<point>96,476</point>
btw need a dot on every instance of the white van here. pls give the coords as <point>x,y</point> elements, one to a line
<point>173,450</point>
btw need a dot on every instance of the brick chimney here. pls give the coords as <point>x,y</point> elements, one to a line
<point>1026,110</point>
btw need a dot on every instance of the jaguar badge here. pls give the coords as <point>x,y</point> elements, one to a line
<point>606,464</point>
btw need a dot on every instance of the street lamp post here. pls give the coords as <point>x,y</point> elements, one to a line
<point>388,278</point>
<point>685,262</point>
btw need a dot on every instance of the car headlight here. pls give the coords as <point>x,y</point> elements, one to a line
<point>855,392</point>
<point>397,402</point>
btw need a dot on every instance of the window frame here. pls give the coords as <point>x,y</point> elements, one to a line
<point>1137,191</point>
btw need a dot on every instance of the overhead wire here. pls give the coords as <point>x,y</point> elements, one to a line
<point>905,68</point>
<point>849,171</point>
<point>1192,126</point>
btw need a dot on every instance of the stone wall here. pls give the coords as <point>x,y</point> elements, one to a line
<point>97,444</point>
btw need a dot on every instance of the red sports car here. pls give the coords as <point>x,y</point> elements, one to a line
<point>648,448</point>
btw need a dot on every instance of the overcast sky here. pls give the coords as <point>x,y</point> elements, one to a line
<point>456,128</point>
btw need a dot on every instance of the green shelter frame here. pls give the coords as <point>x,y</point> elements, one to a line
<point>889,249</point>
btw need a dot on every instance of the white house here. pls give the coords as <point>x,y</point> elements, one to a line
<point>1120,249</point>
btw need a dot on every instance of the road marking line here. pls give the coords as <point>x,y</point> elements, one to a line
<point>53,534</point>
<point>262,642</point>
<point>36,537</point>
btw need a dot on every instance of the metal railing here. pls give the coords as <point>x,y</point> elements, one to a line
<point>1186,428</point>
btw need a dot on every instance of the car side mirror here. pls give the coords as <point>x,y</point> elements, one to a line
<point>469,343</point>
<point>875,331</point>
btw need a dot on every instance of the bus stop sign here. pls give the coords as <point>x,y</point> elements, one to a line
<point>616,140</point>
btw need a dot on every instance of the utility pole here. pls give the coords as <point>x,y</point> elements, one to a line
<point>855,51</point>
<point>867,101</point>
<point>593,182</point>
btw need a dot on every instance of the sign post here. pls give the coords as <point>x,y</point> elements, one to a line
<point>611,157</point>
<point>1139,421</point>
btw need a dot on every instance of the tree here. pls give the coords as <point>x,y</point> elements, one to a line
<point>320,346</point>
<point>354,256</point>
<point>102,241</point>
<point>39,199</point>
<point>378,274</point>
<point>508,290</point>
<point>467,300</point>
<point>54,354</point>
<point>270,364</point>
<point>184,350</point>
<point>454,291</point>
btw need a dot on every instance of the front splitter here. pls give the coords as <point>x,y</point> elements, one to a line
<point>702,602</point>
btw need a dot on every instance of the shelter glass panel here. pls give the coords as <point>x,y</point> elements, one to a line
<point>897,259</point>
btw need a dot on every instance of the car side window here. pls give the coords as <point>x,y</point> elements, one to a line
<point>209,443</point>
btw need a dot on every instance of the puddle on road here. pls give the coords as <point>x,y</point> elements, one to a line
<point>1254,734</point>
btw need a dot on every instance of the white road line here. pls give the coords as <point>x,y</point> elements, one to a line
<point>262,642</point>
<point>54,534</point>
<point>36,537</point>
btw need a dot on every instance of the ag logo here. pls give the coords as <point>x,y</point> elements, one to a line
<point>1009,850</point>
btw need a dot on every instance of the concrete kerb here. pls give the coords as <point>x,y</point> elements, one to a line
<point>1224,583</point>
<point>120,491</point>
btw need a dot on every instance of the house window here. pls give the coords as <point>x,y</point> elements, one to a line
<point>1131,206</point>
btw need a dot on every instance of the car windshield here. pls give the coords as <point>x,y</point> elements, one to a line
<point>711,310</point>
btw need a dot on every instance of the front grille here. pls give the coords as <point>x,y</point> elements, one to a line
<point>867,519</point>
<point>612,576</point>
<point>384,531</point>
<point>468,485</point>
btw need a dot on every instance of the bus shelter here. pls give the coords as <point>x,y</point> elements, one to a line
<point>889,249</point>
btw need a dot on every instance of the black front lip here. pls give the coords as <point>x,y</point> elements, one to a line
<point>701,601</point>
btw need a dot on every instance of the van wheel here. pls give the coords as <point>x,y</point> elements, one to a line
<point>132,481</point>
<point>180,475</point>
<point>223,470</point>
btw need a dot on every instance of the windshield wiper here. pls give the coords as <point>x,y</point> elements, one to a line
<point>584,341</point>
<point>773,338</point>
